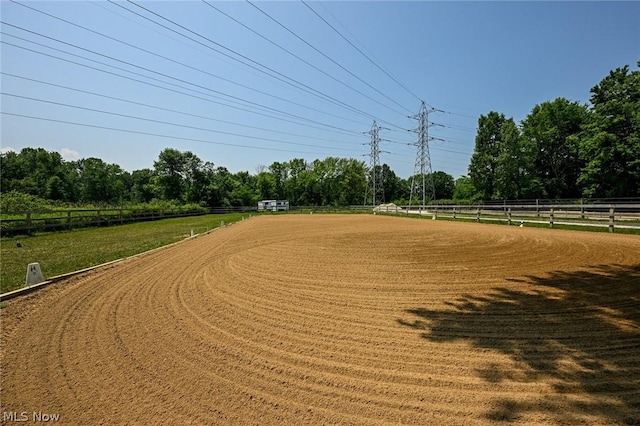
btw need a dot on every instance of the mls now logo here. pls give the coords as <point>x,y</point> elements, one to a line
<point>23,416</point>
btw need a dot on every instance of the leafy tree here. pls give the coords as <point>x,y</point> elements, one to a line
<point>30,170</point>
<point>351,181</point>
<point>280,173</point>
<point>515,172</point>
<point>265,186</point>
<point>395,188</point>
<point>170,171</point>
<point>547,133</point>
<point>482,168</point>
<point>464,189</point>
<point>444,185</point>
<point>142,189</point>
<point>243,193</point>
<point>610,141</point>
<point>100,182</point>
<point>294,187</point>
<point>55,189</point>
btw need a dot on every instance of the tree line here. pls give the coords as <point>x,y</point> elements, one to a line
<point>182,177</point>
<point>563,149</point>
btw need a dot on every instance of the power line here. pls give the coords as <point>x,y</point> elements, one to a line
<point>162,122</point>
<point>310,89</point>
<point>335,128</point>
<point>279,76</point>
<point>360,51</point>
<point>296,56</point>
<point>326,56</point>
<point>157,134</point>
<point>168,109</point>
<point>171,77</point>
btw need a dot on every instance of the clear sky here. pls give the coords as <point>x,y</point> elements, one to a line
<point>245,84</point>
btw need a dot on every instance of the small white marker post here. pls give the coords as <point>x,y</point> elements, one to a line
<point>34,275</point>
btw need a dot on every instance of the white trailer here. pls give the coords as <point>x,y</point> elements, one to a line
<point>273,205</point>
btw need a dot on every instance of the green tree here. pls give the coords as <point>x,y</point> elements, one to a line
<point>610,140</point>
<point>243,193</point>
<point>280,173</point>
<point>444,185</point>
<point>265,186</point>
<point>100,182</point>
<point>482,168</point>
<point>30,171</point>
<point>143,189</point>
<point>351,181</point>
<point>464,189</point>
<point>548,136</point>
<point>170,171</point>
<point>515,176</point>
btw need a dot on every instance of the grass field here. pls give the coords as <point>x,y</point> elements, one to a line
<point>62,252</point>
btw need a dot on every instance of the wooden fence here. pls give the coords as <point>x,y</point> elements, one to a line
<point>611,216</point>
<point>67,219</point>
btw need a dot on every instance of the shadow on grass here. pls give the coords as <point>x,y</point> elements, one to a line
<point>578,331</point>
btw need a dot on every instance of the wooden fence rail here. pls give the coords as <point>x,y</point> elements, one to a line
<point>67,219</point>
<point>592,215</point>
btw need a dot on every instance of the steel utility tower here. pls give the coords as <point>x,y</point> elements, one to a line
<point>422,187</point>
<point>375,191</point>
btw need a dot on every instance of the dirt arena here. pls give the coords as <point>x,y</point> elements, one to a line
<point>338,319</point>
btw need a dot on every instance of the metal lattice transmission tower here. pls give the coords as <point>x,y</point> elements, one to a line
<point>374,194</point>
<point>422,187</point>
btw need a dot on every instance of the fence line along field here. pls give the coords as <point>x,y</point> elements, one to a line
<point>339,319</point>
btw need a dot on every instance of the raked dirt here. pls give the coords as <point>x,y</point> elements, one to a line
<point>338,319</point>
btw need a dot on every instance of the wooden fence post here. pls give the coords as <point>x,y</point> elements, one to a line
<point>28,219</point>
<point>611,218</point>
<point>551,218</point>
<point>509,214</point>
<point>69,219</point>
<point>478,215</point>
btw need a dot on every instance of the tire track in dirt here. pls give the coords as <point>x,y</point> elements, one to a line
<point>330,319</point>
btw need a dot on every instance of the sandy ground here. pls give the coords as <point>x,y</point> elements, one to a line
<point>338,319</point>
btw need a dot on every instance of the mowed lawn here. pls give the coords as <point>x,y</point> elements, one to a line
<point>68,251</point>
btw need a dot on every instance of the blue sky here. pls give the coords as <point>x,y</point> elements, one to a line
<point>245,95</point>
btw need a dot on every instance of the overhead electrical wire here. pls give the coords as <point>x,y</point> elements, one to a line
<point>298,57</point>
<point>169,110</point>
<point>175,78</point>
<point>360,51</point>
<point>279,76</point>
<point>196,97</point>
<point>151,84</point>
<point>315,92</point>
<point>326,56</point>
<point>157,134</point>
<point>163,122</point>
<point>245,61</point>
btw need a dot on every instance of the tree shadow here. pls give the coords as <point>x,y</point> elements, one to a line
<point>578,331</point>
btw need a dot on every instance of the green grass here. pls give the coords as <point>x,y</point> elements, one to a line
<point>68,251</point>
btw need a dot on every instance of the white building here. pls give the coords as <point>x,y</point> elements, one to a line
<point>273,205</point>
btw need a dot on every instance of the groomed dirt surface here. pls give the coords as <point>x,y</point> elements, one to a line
<point>339,319</point>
